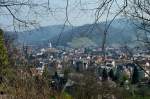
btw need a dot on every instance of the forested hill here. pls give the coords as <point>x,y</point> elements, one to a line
<point>121,31</point>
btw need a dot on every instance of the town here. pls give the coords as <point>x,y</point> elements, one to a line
<point>66,66</point>
<point>74,49</point>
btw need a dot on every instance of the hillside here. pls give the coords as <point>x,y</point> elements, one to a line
<point>40,35</point>
<point>121,31</point>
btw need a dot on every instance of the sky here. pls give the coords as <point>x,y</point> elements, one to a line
<point>79,13</point>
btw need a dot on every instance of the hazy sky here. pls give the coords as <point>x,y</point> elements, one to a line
<point>79,12</point>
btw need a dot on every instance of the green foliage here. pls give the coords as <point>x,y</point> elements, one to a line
<point>124,77</point>
<point>143,90</point>
<point>7,74</point>
<point>119,75</point>
<point>111,74</point>
<point>138,92</point>
<point>104,74</point>
<point>138,97</point>
<point>3,52</point>
<point>135,76</point>
<point>5,70</point>
<point>65,95</point>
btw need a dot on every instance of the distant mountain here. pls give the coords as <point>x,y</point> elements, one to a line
<point>121,31</point>
<point>40,35</point>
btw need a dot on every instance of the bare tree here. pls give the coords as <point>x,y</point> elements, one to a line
<point>24,13</point>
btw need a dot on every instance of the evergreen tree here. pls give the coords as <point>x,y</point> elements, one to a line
<point>111,74</point>
<point>104,74</point>
<point>118,75</point>
<point>99,71</point>
<point>3,55</point>
<point>56,75</point>
<point>79,64</point>
<point>7,74</point>
<point>135,76</point>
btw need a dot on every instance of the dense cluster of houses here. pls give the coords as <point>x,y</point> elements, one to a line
<point>80,60</point>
